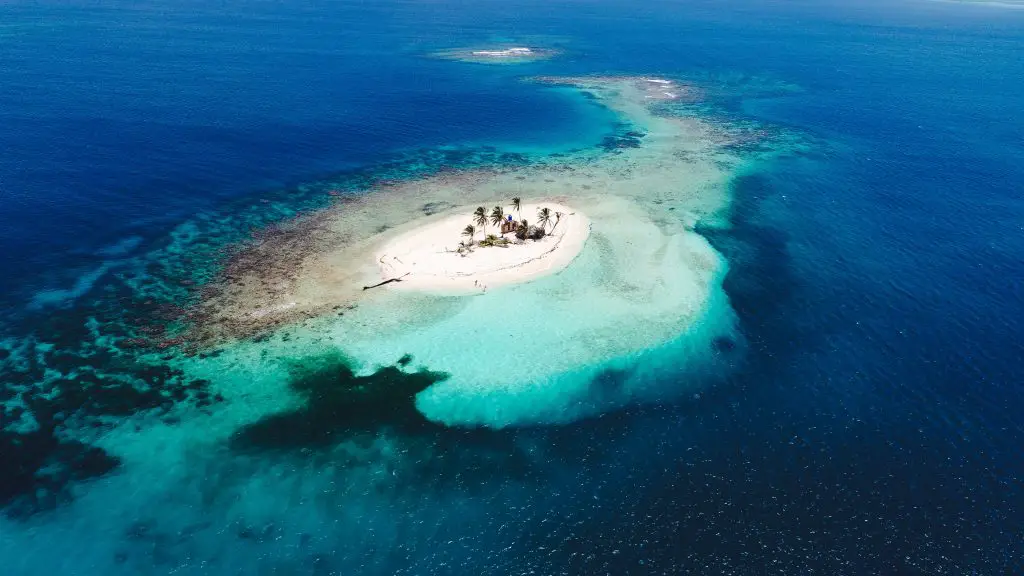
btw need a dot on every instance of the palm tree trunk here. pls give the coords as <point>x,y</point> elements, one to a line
<point>555,226</point>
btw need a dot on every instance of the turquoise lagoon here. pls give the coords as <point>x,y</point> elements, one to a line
<point>791,342</point>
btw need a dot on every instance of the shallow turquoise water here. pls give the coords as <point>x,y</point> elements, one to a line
<point>873,273</point>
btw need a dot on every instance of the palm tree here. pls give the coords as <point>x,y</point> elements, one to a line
<point>517,204</point>
<point>480,217</point>
<point>558,218</point>
<point>544,217</point>
<point>469,231</point>
<point>497,216</point>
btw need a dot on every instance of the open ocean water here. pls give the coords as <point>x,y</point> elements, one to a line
<point>878,275</point>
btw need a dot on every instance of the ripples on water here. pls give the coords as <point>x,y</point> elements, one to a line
<point>873,429</point>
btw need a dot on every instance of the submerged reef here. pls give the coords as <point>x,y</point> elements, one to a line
<point>39,468</point>
<point>643,299</point>
<point>356,419</point>
<point>105,358</point>
<point>57,402</point>
<point>630,139</point>
<point>316,263</point>
<point>336,401</point>
<point>120,354</point>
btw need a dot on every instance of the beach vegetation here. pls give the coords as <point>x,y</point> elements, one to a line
<point>558,218</point>
<point>493,240</point>
<point>522,227</point>
<point>480,218</point>
<point>544,217</point>
<point>527,231</point>
<point>497,215</point>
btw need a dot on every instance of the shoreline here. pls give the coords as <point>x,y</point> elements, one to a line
<point>421,259</point>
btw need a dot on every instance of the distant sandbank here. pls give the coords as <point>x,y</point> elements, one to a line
<point>497,55</point>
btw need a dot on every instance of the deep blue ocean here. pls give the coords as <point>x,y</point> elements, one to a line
<point>878,275</point>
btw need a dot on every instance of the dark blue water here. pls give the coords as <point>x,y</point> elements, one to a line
<point>116,120</point>
<point>878,275</point>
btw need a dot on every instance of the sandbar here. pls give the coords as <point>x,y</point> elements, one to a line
<point>497,55</point>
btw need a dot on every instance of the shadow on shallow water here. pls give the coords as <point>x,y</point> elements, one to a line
<point>344,417</point>
<point>337,402</point>
<point>70,372</point>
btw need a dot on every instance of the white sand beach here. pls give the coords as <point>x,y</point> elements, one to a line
<point>428,258</point>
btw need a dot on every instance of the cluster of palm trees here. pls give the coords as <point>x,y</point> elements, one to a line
<point>522,228</point>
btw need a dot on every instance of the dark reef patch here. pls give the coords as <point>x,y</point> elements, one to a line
<point>624,136</point>
<point>38,468</point>
<point>46,421</point>
<point>607,383</point>
<point>72,370</point>
<point>72,373</point>
<point>337,402</point>
<point>338,407</point>
<point>431,208</point>
<point>761,283</point>
<point>723,344</point>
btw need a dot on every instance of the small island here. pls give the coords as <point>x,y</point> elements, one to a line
<point>376,252</point>
<point>497,247</point>
<point>497,55</point>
